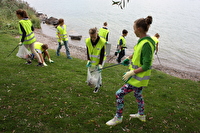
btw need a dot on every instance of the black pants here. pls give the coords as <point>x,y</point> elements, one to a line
<point>120,56</point>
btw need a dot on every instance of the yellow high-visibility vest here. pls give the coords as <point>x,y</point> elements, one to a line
<point>30,37</point>
<point>140,79</point>
<point>94,52</point>
<point>62,30</point>
<point>123,42</point>
<point>155,39</point>
<point>103,32</point>
<point>38,45</point>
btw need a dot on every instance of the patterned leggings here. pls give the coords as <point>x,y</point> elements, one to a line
<point>127,88</point>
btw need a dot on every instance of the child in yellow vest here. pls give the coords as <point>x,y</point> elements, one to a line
<point>140,70</point>
<point>41,48</point>
<point>103,32</point>
<point>121,46</point>
<point>26,33</point>
<point>62,38</point>
<point>155,38</point>
<point>96,56</point>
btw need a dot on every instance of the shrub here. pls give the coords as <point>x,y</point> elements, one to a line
<point>9,21</point>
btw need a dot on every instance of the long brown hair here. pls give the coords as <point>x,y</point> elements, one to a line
<point>60,21</point>
<point>22,13</point>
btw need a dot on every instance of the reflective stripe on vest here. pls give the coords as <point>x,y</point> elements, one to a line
<point>140,79</point>
<point>29,40</point>
<point>94,52</point>
<point>30,36</point>
<point>136,67</point>
<point>95,56</point>
<point>93,62</point>
<point>63,33</point>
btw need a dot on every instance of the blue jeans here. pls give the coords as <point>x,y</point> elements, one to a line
<point>60,46</point>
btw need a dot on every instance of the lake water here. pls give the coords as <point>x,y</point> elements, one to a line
<point>177,22</point>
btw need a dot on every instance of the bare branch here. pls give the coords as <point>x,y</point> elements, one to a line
<point>121,4</point>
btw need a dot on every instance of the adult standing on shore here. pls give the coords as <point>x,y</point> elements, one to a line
<point>103,32</point>
<point>26,34</point>
<point>140,70</point>
<point>95,54</point>
<point>62,38</point>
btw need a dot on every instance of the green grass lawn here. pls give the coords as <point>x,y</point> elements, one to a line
<point>56,99</point>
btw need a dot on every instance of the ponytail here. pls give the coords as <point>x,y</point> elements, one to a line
<point>148,20</point>
<point>22,13</point>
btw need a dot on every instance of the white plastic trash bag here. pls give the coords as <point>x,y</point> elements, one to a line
<point>23,52</point>
<point>108,47</point>
<point>93,76</point>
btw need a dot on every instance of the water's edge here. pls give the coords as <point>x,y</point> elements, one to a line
<point>80,52</point>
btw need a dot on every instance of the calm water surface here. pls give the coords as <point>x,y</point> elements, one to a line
<point>177,22</point>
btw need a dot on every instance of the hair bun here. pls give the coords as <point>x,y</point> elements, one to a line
<point>149,20</point>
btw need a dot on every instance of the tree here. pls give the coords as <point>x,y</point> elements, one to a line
<point>121,3</point>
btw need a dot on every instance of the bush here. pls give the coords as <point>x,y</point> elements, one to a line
<point>36,22</point>
<point>9,21</point>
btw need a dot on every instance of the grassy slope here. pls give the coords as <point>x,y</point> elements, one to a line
<point>56,99</point>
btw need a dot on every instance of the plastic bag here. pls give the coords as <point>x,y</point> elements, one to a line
<point>93,76</point>
<point>23,52</point>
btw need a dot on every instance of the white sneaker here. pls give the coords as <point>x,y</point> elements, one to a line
<point>96,89</point>
<point>140,117</point>
<point>51,61</point>
<point>45,64</point>
<point>114,121</point>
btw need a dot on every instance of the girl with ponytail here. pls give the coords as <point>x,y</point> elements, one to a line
<point>139,71</point>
